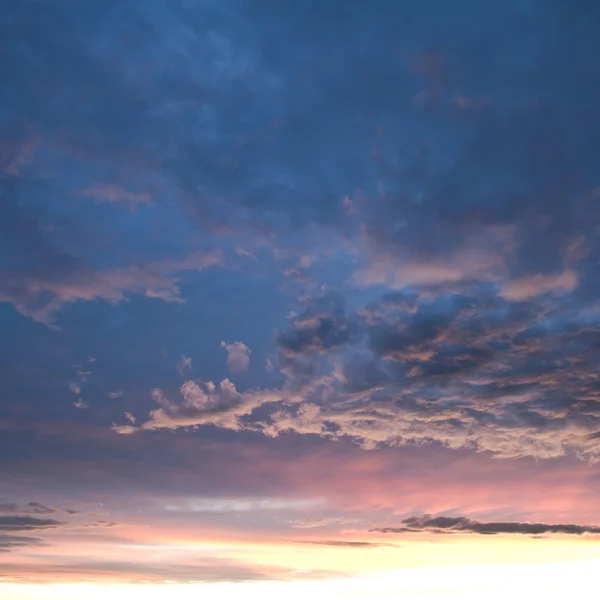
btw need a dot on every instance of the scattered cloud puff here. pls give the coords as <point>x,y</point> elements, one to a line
<point>238,356</point>
<point>116,394</point>
<point>83,375</point>
<point>76,388</point>
<point>464,525</point>
<point>184,363</point>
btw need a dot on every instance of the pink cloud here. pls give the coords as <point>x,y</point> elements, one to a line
<point>238,356</point>
<point>204,403</point>
<point>536,285</point>
<point>153,280</point>
<point>481,256</point>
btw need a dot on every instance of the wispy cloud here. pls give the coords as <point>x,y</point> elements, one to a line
<point>110,193</point>
<point>346,544</point>
<point>184,363</point>
<point>41,292</point>
<point>220,505</point>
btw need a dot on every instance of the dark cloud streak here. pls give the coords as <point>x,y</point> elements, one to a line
<point>21,523</point>
<point>464,525</point>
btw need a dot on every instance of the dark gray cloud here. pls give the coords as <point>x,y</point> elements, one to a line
<point>35,508</point>
<point>464,525</point>
<point>20,523</point>
<point>12,542</point>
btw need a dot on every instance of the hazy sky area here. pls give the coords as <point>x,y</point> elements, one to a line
<point>299,299</point>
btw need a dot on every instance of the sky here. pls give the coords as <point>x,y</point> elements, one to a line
<point>299,298</point>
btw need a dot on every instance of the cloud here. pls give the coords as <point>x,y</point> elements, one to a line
<point>476,260</point>
<point>15,155</point>
<point>184,363</point>
<point>116,394</point>
<point>124,429</point>
<point>102,523</point>
<point>110,193</point>
<point>20,523</point>
<point>322,325</point>
<point>529,287</point>
<point>464,525</point>
<point>458,244</point>
<point>204,570</point>
<point>204,403</point>
<point>496,351</point>
<point>225,505</point>
<point>464,103</point>
<point>306,419</point>
<point>41,291</point>
<point>316,522</point>
<point>30,508</point>
<point>466,369</point>
<point>238,356</point>
<point>40,509</point>
<point>11,542</point>
<point>345,543</point>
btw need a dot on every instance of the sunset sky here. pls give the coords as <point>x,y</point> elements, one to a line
<point>299,299</point>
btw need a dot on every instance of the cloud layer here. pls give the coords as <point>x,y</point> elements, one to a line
<point>467,368</point>
<point>273,270</point>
